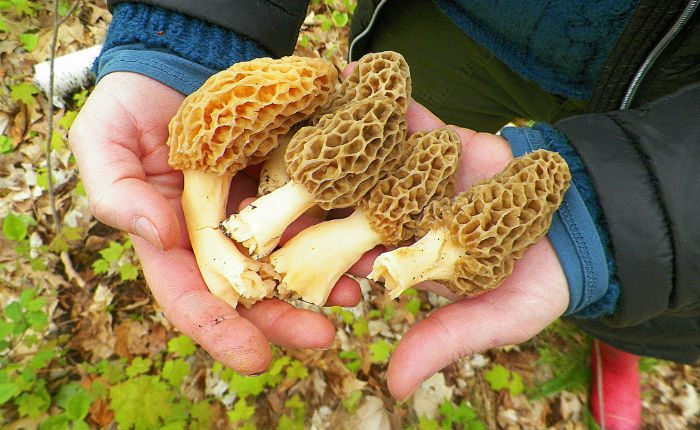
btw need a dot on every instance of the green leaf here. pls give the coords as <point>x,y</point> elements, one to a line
<point>241,411</point>
<point>352,401</point>
<point>24,6</point>
<point>8,390</point>
<point>142,402</point>
<point>6,328</point>
<point>245,386</point>
<point>351,359</point>
<point>100,266</point>
<point>326,23</point>
<point>379,351</point>
<point>501,378</point>
<point>29,41</point>
<point>82,425</point>
<point>128,272</point>
<point>175,371</point>
<point>181,346</point>
<point>413,306</point>
<point>67,119</point>
<point>428,424</point>
<point>297,371</point>
<point>56,422</point>
<point>78,405</point>
<point>201,416</point>
<point>5,143</point>
<point>497,377</point>
<point>33,404</point>
<point>113,252</point>
<point>23,92</point>
<point>340,19</point>
<point>14,227</point>
<point>80,98</point>
<point>360,327</point>
<point>14,312</point>
<point>38,320</point>
<point>138,366</point>
<point>80,189</point>
<point>3,25</point>
<point>57,143</point>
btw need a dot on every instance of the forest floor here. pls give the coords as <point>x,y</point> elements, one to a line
<point>84,345</point>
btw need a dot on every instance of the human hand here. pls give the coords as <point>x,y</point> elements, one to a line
<point>532,297</point>
<point>119,140</point>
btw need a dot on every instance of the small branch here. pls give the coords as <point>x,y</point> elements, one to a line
<point>57,21</point>
<point>71,274</point>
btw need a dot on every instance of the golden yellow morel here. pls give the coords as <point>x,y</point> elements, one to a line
<point>471,242</point>
<point>234,120</point>
<point>313,261</point>
<point>332,165</point>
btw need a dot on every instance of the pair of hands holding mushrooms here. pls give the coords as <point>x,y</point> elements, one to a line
<point>125,150</point>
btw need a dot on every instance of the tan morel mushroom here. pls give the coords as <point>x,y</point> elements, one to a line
<point>471,242</point>
<point>332,165</point>
<point>378,73</point>
<point>313,261</point>
<point>232,120</point>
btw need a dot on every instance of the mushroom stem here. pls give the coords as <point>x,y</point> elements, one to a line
<point>433,257</point>
<point>259,226</point>
<point>226,271</point>
<point>313,261</point>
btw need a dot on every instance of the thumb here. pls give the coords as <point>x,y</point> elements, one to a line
<point>116,184</point>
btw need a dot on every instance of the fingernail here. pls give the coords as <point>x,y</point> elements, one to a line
<point>145,228</point>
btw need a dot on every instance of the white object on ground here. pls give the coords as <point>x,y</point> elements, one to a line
<point>71,71</point>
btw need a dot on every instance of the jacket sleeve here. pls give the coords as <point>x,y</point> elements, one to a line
<point>274,24</point>
<point>643,165</point>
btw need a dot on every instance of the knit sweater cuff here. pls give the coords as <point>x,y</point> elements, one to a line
<point>203,43</point>
<point>577,234</point>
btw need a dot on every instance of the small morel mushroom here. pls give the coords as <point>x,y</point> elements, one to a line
<point>312,262</point>
<point>377,73</point>
<point>470,243</point>
<point>332,165</point>
<point>234,120</point>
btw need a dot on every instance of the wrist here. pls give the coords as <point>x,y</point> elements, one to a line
<point>177,50</point>
<point>576,233</point>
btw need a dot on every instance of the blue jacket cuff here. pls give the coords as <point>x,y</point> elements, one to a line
<point>574,233</point>
<point>177,50</point>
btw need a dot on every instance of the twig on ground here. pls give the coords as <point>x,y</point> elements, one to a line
<point>57,21</point>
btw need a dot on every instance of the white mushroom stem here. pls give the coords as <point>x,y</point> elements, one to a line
<point>434,257</point>
<point>274,174</point>
<point>228,274</point>
<point>313,261</point>
<point>259,226</point>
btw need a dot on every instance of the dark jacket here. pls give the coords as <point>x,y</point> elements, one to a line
<point>640,144</point>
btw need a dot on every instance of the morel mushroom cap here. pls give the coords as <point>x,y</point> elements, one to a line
<point>340,159</point>
<point>234,119</point>
<point>313,261</point>
<point>332,165</point>
<point>394,206</point>
<point>472,241</point>
<point>379,73</point>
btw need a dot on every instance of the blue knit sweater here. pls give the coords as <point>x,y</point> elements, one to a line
<point>183,52</point>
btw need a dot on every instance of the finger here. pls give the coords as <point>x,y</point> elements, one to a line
<point>174,279</point>
<point>347,71</point>
<point>116,184</point>
<point>287,326</point>
<point>346,293</point>
<point>244,190</point>
<point>364,264</point>
<point>483,155</point>
<point>531,298</point>
<point>419,118</point>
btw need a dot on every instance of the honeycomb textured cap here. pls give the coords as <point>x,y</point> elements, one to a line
<point>235,117</point>
<point>428,172</point>
<point>497,219</point>
<point>340,159</point>
<point>380,73</point>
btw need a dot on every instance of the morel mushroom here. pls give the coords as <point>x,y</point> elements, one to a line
<point>378,73</point>
<point>233,120</point>
<point>332,165</point>
<point>312,262</point>
<point>471,242</point>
